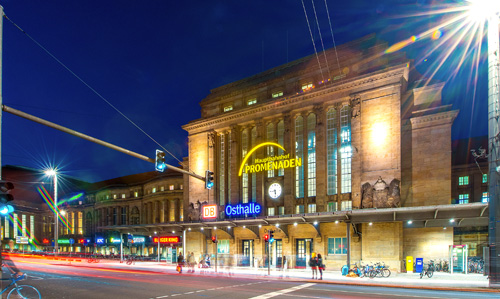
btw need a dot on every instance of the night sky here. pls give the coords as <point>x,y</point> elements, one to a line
<point>156,60</point>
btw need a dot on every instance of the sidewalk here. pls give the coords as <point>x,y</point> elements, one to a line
<point>440,281</point>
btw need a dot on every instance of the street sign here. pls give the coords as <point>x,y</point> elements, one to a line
<point>71,241</point>
<point>22,240</point>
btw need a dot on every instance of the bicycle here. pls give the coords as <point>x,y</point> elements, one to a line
<point>429,271</point>
<point>130,260</point>
<point>21,291</point>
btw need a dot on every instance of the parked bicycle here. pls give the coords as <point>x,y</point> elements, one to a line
<point>475,265</point>
<point>429,271</point>
<point>21,291</point>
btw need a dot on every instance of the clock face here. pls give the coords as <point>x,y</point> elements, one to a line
<point>274,190</point>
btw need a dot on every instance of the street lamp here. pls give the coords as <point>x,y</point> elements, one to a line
<point>490,10</point>
<point>53,172</point>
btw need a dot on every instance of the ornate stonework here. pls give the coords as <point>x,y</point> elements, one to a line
<point>381,195</point>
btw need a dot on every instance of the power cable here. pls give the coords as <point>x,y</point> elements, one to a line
<point>312,39</point>
<point>334,45</point>
<point>90,87</point>
<point>321,39</point>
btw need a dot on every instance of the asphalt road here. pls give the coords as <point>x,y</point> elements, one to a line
<point>91,282</point>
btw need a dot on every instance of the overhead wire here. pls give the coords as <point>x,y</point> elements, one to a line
<point>321,39</point>
<point>89,87</point>
<point>312,39</point>
<point>334,44</point>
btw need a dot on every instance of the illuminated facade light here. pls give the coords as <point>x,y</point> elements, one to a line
<point>452,220</point>
<point>245,226</point>
<point>189,229</point>
<point>371,223</point>
<point>315,222</point>
<point>277,225</point>
<point>260,225</point>
<point>295,224</point>
<point>410,222</point>
<point>336,222</point>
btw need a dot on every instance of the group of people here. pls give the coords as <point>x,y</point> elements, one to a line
<point>191,262</point>
<point>316,263</point>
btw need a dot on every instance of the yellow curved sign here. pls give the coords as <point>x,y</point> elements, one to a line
<point>268,163</point>
<point>253,150</point>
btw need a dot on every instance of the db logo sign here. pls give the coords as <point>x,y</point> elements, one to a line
<point>209,211</point>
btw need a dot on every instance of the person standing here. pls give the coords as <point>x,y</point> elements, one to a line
<point>8,263</point>
<point>321,266</point>
<point>314,265</point>
<point>180,262</point>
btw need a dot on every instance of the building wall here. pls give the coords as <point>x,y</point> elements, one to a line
<point>428,243</point>
<point>383,242</point>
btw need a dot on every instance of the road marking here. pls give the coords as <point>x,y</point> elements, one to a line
<point>212,289</point>
<point>381,294</point>
<point>278,293</point>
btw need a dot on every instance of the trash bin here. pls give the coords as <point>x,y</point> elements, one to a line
<point>409,264</point>
<point>419,264</point>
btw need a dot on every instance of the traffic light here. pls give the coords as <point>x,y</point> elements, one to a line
<point>160,161</point>
<point>5,197</point>
<point>209,179</point>
<point>266,238</point>
<point>214,239</point>
<point>271,236</point>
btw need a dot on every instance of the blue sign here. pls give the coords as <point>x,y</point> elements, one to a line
<point>99,240</point>
<point>243,209</point>
<point>71,241</point>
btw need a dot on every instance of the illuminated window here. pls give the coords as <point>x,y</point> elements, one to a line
<point>124,215</point>
<point>299,154</point>
<point>332,207</point>
<point>311,155</point>
<point>270,211</point>
<point>307,86</point>
<point>346,205</point>
<point>228,108</point>
<point>485,178</point>
<point>23,225</point>
<point>331,132</point>
<point>136,194</point>
<point>311,208</point>
<point>162,188</point>
<point>221,181</point>
<point>463,181</point>
<point>15,226</point>
<point>80,223</point>
<point>244,176</point>
<point>277,94</point>
<point>463,198</point>
<point>223,246</point>
<point>181,186</point>
<point>252,101</point>
<point>345,149</point>
<point>154,190</point>
<point>7,227</point>
<point>270,149</point>
<point>181,212</point>
<point>281,210</point>
<point>115,196</point>
<point>123,195</point>
<point>281,138</point>
<point>107,196</point>
<point>486,197</point>
<point>254,175</point>
<point>299,209</point>
<point>337,245</point>
<point>171,187</point>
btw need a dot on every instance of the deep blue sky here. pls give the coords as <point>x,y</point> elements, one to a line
<point>156,60</point>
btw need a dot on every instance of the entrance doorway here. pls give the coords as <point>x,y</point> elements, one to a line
<point>276,254</point>
<point>247,257</point>
<point>303,254</point>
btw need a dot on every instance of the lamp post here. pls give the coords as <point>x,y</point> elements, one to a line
<point>52,172</point>
<point>490,10</point>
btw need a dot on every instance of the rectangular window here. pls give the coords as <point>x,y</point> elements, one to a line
<point>299,209</point>
<point>181,186</point>
<point>23,225</point>
<point>277,94</point>
<point>228,108</point>
<point>345,149</point>
<point>463,198</point>
<point>337,246</point>
<point>299,154</point>
<point>222,159</point>
<point>485,178</point>
<point>171,187</point>
<point>15,225</point>
<point>123,195</point>
<point>311,208</point>
<point>281,138</point>
<point>281,210</point>
<point>114,196</point>
<point>346,205</point>
<point>154,190</point>
<point>311,155</point>
<point>7,227</point>
<point>162,188</point>
<point>332,207</point>
<point>486,197</point>
<point>80,222</point>
<point>252,101</point>
<point>136,194</point>
<point>463,181</point>
<point>307,86</point>
<point>181,212</point>
<point>253,139</point>
<point>223,246</point>
<point>270,211</point>
<point>244,176</point>
<point>331,132</point>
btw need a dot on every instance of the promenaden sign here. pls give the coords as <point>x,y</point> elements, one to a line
<point>268,163</point>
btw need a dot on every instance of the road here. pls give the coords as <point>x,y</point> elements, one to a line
<point>90,281</point>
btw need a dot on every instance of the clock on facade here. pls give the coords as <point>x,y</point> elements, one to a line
<point>274,190</point>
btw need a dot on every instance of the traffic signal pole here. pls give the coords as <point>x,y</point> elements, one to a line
<point>88,138</point>
<point>1,88</point>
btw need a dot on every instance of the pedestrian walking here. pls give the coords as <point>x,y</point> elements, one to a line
<point>191,262</point>
<point>284,266</point>
<point>321,266</point>
<point>180,262</point>
<point>314,265</point>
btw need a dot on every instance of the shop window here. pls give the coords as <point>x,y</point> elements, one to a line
<point>277,94</point>
<point>299,209</point>
<point>281,210</point>
<point>337,246</point>
<point>485,178</point>
<point>223,246</point>
<point>252,101</point>
<point>463,181</point>
<point>311,208</point>
<point>228,108</point>
<point>486,197</point>
<point>332,206</point>
<point>346,205</point>
<point>463,198</point>
<point>270,211</point>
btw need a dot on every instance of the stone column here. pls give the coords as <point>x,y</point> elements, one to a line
<point>321,159</point>
<point>289,179</point>
<point>235,164</point>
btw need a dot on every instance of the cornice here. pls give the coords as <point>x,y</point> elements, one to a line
<point>434,119</point>
<point>397,71</point>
